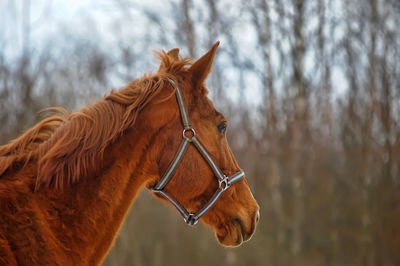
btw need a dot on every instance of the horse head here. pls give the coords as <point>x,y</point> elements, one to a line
<point>193,177</point>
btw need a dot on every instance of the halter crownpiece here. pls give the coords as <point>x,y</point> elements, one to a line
<point>189,137</point>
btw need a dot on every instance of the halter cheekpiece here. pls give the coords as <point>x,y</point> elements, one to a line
<point>189,137</point>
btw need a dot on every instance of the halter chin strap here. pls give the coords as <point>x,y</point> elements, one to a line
<point>189,137</point>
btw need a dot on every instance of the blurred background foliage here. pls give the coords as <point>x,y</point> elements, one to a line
<point>312,90</point>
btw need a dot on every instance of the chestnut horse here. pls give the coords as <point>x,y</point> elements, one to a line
<point>66,184</point>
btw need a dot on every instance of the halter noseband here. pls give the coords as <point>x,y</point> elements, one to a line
<point>189,136</point>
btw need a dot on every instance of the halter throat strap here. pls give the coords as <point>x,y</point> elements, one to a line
<point>189,137</point>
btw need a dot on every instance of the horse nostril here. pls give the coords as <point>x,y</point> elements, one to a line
<point>257,216</point>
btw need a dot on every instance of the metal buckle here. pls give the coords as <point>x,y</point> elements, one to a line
<point>192,132</point>
<point>190,220</point>
<point>224,183</point>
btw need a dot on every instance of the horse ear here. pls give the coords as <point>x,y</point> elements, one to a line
<point>174,53</point>
<point>202,67</point>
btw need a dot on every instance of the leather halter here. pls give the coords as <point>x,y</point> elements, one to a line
<point>189,137</point>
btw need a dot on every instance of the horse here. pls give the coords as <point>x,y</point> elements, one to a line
<point>67,183</point>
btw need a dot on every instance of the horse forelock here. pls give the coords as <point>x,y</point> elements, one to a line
<point>66,146</point>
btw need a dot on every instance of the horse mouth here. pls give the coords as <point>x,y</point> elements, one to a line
<point>232,239</point>
<point>237,233</point>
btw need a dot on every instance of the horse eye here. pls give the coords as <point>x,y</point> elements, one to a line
<point>222,127</point>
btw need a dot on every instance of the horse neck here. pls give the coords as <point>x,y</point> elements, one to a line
<point>92,211</point>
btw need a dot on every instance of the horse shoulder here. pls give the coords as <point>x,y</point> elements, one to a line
<point>25,234</point>
<point>7,257</point>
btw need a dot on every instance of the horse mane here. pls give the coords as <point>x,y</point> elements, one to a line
<point>67,145</point>
<point>21,148</point>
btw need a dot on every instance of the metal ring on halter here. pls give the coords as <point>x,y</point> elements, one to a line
<point>224,183</point>
<point>191,220</point>
<point>187,130</point>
